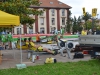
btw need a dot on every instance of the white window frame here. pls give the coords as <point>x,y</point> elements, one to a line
<point>63,19</point>
<point>53,21</point>
<point>63,12</point>
<point>19,31</point>
<point>42,28</point>
<point>42,14</point>
<point>30,30</point>
<point>53,12</point>
<point>41,21</point>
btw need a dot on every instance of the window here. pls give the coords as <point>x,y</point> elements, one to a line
<point>42,14</point>
<point>31,30</point>
<point>52,30</point>
<point>51,2</point>
<point>53,21</point>
<point>41,21</point>
<point>18,30</point>
<point>42,30</point>
<point>63,12</point>
<point>53,12</point>
<point>41,9</point>
<point>63,21</point>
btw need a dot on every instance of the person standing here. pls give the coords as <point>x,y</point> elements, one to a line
<point>55,31</point>
<point>62,31</point>
<point>84,32</point>
<point>9,39</point>
<point>38,38</point>
<point>3,40</point>
<point>55,34</point>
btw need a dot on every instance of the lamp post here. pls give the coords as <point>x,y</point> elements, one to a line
<point>93,24</point>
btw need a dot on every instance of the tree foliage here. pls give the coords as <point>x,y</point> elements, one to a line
<point>86,18</point>
<point>22,9</point>
<point>69,20</point>
<point>77,24</point>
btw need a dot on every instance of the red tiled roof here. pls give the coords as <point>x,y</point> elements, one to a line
<point>55,4</point>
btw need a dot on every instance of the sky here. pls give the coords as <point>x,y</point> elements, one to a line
<point>77,6</point>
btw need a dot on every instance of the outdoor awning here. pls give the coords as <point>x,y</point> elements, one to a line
<point>8,20</point>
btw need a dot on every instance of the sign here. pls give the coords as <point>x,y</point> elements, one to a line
<point>84,11</point>
<point>94,12</point>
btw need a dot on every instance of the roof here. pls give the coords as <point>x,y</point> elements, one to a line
<point>52,4</point>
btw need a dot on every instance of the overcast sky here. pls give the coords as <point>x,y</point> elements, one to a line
<point>77,6</point>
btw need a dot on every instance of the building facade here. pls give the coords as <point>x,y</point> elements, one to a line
<point>55,15</point>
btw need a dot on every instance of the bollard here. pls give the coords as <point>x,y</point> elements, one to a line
<point>37,57</point>
<point>29,55</point>
<point>33,58</point>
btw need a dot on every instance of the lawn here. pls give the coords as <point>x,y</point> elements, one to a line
<point>91,67</point>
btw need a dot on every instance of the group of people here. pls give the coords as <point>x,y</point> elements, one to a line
<point>6,39</point>
<point>36,47</point>
<point>55,31</point>
<point>90,32</point>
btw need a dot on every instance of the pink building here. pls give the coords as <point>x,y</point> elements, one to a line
<point>55,15</point>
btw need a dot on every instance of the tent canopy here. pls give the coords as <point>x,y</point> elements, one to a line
<point>8,20</point>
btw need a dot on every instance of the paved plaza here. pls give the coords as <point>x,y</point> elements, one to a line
<point>13,57</point>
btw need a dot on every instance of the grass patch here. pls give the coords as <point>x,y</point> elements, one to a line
<point>91,67</point>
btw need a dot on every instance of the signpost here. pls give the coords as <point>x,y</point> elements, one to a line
<point>94,14</point>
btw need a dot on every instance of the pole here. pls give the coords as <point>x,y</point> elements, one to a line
<point>12,42</point>
<point>20,45</point>
<point>92,25</point>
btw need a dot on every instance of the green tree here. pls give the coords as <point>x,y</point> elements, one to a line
<point>86,18</point>
<point>74,24</point>
<point>22,9</point>
<point>79,26</point>
<point>69,22</point>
